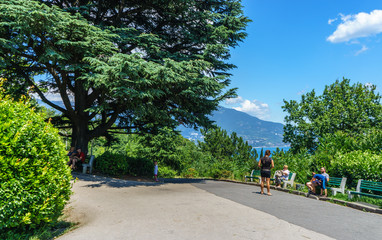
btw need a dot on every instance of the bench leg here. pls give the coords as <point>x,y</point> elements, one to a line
<point>350,196</point>
<point>84,168</point>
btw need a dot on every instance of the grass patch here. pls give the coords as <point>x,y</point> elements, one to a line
<point>45,232</point>
<point>364,199</point>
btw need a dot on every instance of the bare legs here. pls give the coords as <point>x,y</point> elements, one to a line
<point>263,179</point>
<point>311,186</point>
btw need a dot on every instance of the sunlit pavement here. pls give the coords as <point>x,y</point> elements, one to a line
<point>197,209</point>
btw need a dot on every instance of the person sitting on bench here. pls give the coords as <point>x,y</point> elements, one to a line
<point>78,159</point>
<point>284,176</point>
<point>317,180</point>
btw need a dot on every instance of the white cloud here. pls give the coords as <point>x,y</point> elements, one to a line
<point>357,26</point>
<point>231,101</point>
<point>330,21</point>
<point>254,108</point>
<point>363,49</point>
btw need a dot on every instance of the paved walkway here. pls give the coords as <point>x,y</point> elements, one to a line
<point>119,209</point>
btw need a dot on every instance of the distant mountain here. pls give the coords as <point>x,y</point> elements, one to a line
<point>257,132</point>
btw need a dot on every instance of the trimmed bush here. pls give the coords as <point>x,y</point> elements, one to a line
<point>166,172</point>
<point>114,164</point>
<point>34,177</point>
<point>118,164</point>
<point>141,166</point>
<point>357,165</point>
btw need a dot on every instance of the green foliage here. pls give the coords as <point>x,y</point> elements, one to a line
<point>177,156</point>
<point>352,164</point>
<point>359,198</point>
<point>166,172</point>
<point>301,163</point>
<point>34,176</point>
<point>161,147</point>
<point>161,67</point>
<point>202,165</point>
<point>190,173</point>
<point>46,232</point>
<point>351,109</point>
<point>114,163</point>
<point>232,154</point>
<point>140,166</point>
<point>341,141</point>
<point>220,173</point>
<point>357,165</point>
<point>111,163</point>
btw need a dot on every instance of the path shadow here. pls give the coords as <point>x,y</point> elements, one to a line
<point>99,181</point>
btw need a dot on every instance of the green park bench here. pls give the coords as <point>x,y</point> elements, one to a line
<point>368,186</point>
<point>336,185</point>
<point>255,174</point>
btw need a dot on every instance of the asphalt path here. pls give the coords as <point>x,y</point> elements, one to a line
<point>184,209</point>
<point>330,219</point>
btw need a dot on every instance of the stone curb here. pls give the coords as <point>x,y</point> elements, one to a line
<point>354,205</point>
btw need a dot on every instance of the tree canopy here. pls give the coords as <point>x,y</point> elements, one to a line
<point>342,107</point>
<point>228,148</point>
<point>121,65</point>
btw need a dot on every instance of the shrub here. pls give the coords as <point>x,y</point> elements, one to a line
<point>117,164</point>
<point>140,166</point>
<point>357,165</point>
<point>190,173</point>
<point>34,176</point>
<point>111,163</point>
<point>166,172</point>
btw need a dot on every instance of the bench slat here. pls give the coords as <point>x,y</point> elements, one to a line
<point>367,185</point>
<point>334,183</point>
<point>372,188</point>
<point>371,185</point>
<point>365,194</point>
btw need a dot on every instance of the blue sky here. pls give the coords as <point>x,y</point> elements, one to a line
<point>296,46</point>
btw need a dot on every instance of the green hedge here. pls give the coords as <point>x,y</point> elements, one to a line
<point>118,164</point>
<point>34,177</point>
<point>357,165</point>
<point>113,164</point>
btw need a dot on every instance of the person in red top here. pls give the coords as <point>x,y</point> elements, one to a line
<point>81,155</point>
<point>79,158</point>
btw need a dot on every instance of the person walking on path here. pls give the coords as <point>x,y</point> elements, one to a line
<point>266,164</point>
<point>156,171</point>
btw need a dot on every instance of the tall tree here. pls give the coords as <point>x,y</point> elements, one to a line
<point>351,109</point>
<point>228,148</point>
<point>122,65</point>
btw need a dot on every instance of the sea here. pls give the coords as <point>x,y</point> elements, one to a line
<point>272,149</point>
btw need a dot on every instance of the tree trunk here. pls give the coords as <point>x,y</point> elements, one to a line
<point>80,137</point>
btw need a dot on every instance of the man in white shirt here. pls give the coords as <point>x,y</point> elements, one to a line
<point>283,177</point>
